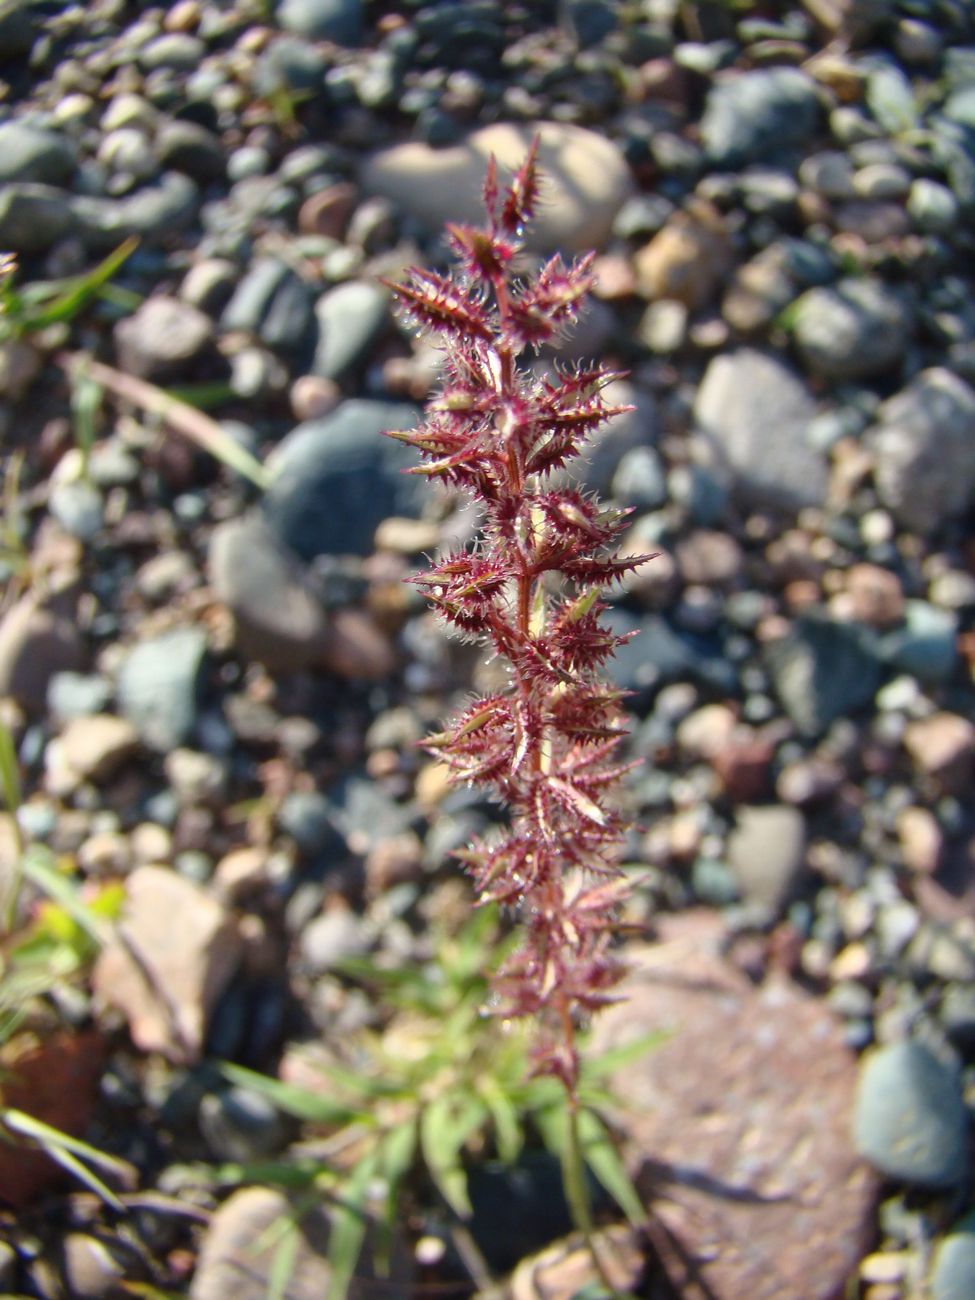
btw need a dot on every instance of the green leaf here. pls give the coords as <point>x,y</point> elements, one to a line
<point>504,1116</point>
<point>293,1100</point>
<point>205,397</point>
<point>445,1125</point>
<point>9,770</point>
<point>283,1263</point>
<point>600,1154</point>
<point>397,1152</point>
<point>86,401</point>
<point>66,1150</point>
<point>65,298</point>
<point>348,1225</point>
<point>299,1172</point>
<point>39,867</point>
<point>598,1067</point>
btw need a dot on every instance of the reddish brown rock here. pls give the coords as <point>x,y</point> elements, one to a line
<point>737,1126</point>
<point>54,1081</point>
<point>327,211</point>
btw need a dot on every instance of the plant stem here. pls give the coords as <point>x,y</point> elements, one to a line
<point>185,419</point>
<point>577,1194</point>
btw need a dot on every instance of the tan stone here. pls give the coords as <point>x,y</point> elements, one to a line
<point>174,954</point>
<point>688,259</point>
<point>96,747</point>
<point>585,180</point>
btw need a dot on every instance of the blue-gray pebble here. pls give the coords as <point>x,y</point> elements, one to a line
<point>910,1120</point>
<point>953,1267</point>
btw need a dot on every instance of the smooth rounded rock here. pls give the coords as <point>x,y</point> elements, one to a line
<point>852,330</point>
<point>279,618</point>
<point>32,153</point>
<point>952,1274</point>
<point>910,1120</point>
<point>350,318</point>
<point>585,180</point>
<point>335,479</point>
<point>754,112</point>
<point>755,410</point>
<point>924,448</point>
<point>158,684</point>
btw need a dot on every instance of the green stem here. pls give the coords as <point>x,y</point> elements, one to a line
<point>577,1194</point>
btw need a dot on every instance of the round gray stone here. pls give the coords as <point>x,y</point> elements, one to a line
<point>754,112</point>
<point>852,330</point>
<point>909,1119</point>
<point>953,1267</point>
<point>158,685</point>
<point>335,479</point>
<point>32,153</point>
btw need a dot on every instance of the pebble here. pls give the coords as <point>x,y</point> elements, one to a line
<point>95,747</point>
<point>756,112</point>
<point>952,1274</point>
<point>327,20</point>
<point>91,1268</point>
<point>942,746</point>
<point>241,1124</point>
<point>335,479</point>
<point>687,260</point>
<point>157,686</point>
<point>924,445</point>
<point>331,938</point>
<point>167,979</point>
<point>350,318</point>
<point>925,646</point>
<point>767,857</point>
<point>854,329</point>
<point>36,643</point>
<point>229,1264</point>
<point>279,617</point>
<point>274,304</point>
<point>162,337</point>
<point>822,670</point>
<point>755,409</point>
<point>31,153</point>
<point>909,1120</point>
<point>34,216</point>
<point>586,180</point>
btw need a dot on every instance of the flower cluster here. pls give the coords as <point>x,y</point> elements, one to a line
<point>530,588</point>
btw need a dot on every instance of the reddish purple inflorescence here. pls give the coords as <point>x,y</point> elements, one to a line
<point>531,588</point>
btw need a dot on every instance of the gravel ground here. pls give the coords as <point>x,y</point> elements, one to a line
<point>215,676</point>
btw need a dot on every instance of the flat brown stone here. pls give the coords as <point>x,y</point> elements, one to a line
<point>737,1126</point>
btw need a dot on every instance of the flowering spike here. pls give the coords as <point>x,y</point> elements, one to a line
<point>546,747</point>
<point>521,197</point>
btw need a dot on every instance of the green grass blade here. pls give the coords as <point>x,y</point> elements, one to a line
<point>86,402</point>
<point>349,1222</point>
<point>69,297</point>
<point>598,1067</point>
<point>68,1152</point>
<point>205,397</point>
<point>10,786</point>
<point>508,1132</point>
<point>283,1263</point>
<point>39,868</point>
<point>302,1103</point>
<point>445,1125</point>
<point>601,1156</point>
<point>297,1173</point>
